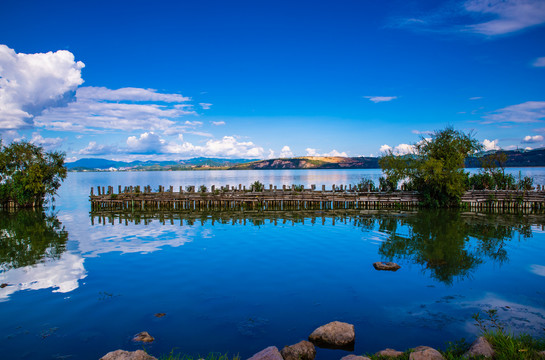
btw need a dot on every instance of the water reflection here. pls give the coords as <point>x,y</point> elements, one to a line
<point>33,254</point>
<point>448,245</point>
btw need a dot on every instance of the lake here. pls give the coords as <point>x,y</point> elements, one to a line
<point>80,286</point>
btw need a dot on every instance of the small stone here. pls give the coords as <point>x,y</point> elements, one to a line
<point>3,285</point>
<point>144,336</point>
<point>303,350</point>
<point>127,355</point>
<point>425,353</point>
<point>159,315</point>
<point>335,335</point>
<point>480,347</point>
<point>354,357</point>
<point>270,353</point>
<point>388,266</point>
<point>391,353</point>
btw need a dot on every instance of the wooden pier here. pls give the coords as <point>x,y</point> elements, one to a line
<point>231,198</point>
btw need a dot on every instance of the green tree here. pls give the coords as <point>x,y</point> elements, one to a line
<point>436,167</point>
<point>28,173</point>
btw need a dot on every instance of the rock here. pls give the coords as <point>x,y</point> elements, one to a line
<point>270,353</point>
<point>425,353</point>
<point>335,335</point>
<point>144,336</point>
<point>354,357</point>
<point>3,285</point>
<point>390,353</point>
<point>159,315</point>
<point>303,350</point>
<point>541,354</point>
<point>389,266</point>
<point>127,355</point>
<point>480,347</point>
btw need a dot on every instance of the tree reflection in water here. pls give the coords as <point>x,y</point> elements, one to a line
<point>450,244</point>
<point>28,237</point>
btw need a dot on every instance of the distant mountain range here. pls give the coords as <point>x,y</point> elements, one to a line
<point>515,158</point>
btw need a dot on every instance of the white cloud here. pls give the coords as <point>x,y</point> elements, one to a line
<point>490,145</point>
<point>401,149</point>
<point>538,269</point>
<point>378,99</point>
<point>46,143</point>
<point>193,123</point>
<point>10,136</point>
<point>509,15</point>
<point>147,143</point>
<point>528,139</point>
<point>227,147</point>
<point>127,94</point>
<point>31,83</point>
<point>540,62</point>
<point>218,123</point>
<point>205,106</point>
<point>424,132</point>
<point>385,148</point>
<point>314,152</point>
<point>528,112</point>
<point>475,98</point>
<point>271,154</point>
<point>95,149</point>
<point>286,152</point>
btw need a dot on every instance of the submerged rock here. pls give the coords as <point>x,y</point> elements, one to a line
<point>480,347</point>
<point>303,350</point>
<point>388,266</point>
<point>354,357</point>
<point>335,335</point>
<point>127,355</point>
<point>270,353</point>
<point>159,315</point>
<point>144,336</point>
<point>390,353</point>
<point>425,353</point>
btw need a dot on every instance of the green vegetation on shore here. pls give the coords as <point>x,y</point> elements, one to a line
<point>28,174</point>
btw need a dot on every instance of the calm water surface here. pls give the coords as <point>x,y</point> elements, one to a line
<point>81,286</point>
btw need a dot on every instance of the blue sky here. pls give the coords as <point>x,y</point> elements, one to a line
<point>256,79</point>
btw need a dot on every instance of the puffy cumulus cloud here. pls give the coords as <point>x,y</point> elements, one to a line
<point>286,152</point>
<point>490,145</point>
<point>46,143</point>
<point>147,143</point>
<point>528,112</point>
<point>228,147</point>
<point>540,62</point>
<point>401,149</point>
<point>218,123</point>
<point>98,149</point>
<point>126,109</point>
<point>271,154</point>
<point>314,152</point>
<point>509,15</point>
<point>205,106</point>
<point>9,136</point>
<point>532,139</point>
<point>378,99</point>
<point>31,83</point>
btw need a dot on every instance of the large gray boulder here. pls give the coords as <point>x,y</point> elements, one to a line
<point>303,350</point>
<point>127,355</point>
<point>354,357</point>
<point>388,266</point>
<point>270,353</point>
<point>389,353</point>
<point>335,335</point>
<point>425,353</point>
<point>480,347</point>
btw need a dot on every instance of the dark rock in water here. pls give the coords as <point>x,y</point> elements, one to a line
<point>480,347</point>
<point>144,336</point>
<point>303,350</point>
<point>335,335</point>
<point>389,353</point>
<point>425,353</point>
<point>354,357</point>
<point>389,266</point>
<point>3,285</point>
<point>159,315</point>
<point>270,353</point>
<point>127,355</point>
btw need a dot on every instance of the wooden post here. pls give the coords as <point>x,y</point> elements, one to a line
<point>323,188</point>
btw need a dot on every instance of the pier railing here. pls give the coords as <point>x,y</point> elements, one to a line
<point>292,198</point>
